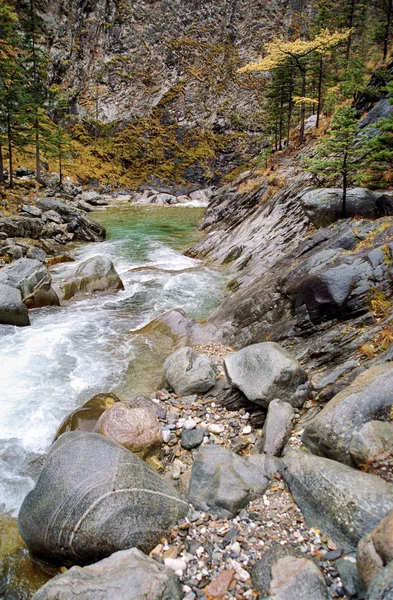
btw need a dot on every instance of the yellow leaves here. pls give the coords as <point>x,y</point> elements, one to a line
<point>279,51</point>
<point>303,99</point>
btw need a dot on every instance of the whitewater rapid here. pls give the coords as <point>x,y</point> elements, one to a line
<point>71,353</point>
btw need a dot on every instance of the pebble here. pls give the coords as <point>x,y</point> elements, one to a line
<point>176,564</point>
<point>247,429</point>
<point>216,428</point>
<point>189,424</point>
<point>166,434</point>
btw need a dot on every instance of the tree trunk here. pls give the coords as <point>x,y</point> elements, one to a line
<point>60,166</point>
<point>290,108</point>
<point>320,79</point>
<point>1,165</point>
<point>387,29</point>
<point>351,19</point>
<point>345,185</point>
<point>303,105</point>
<point>9,136</point>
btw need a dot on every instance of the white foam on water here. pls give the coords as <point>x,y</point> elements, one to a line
<point>73,352</point>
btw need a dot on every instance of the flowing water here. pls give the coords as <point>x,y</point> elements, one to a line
<point>71,353</point>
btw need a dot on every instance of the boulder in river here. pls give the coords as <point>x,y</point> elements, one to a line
<point>125,575</point>
<point>93,498</point>
<point>85,418</point>
<point>324,206</point>
<point>13,311</point>
<point>369,397</point>
<point>342,502</point>
<point>222,482</point>
<point>188,372</point>
<point>265,372</point>
<point>32,278</point>
<point>96,274</point>
<point>136,429</point>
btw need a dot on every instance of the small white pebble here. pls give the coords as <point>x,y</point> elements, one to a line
<point>176,564</point>
<point>216,428</point>
<point>189,424</point>
<point>247,429</point>
<point>166,434</point>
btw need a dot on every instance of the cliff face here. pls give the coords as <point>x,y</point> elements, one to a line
<point>169,67</point>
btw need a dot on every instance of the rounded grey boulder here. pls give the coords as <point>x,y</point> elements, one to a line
<point>32,278</point>
<point>93,498</point>
<point>12,309</point>
<point>188,372</point>
<point>265,372</point>
<point>126,575</point>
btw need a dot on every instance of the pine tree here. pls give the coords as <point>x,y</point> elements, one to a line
<point>298,53</point>
<point>337,155</point>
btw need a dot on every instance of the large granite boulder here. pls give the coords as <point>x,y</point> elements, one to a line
<point>126,575</point>
<point>222,482</point>
<point>324,206</point>
<point>93,498</point>
<point>32,278</point>
<point>343,503</point>
<point>369,397</point>
<point>188,372</point>
<point>284,574</point>
<point>13,311</point>
<point>21,227</point>
<point>375,550</point>
<point>85,417</point>
<point>96,274</point>
<point>265,372</point>
<point>136,429</point>
<point>82,228</point>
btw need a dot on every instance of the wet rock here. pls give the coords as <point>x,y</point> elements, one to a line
<point>23,227</point>
<point>324,206</point>
<point>369,397</point>
<point>85,418</point>
<point>381,588</point>
<point>265,372</point>
<point>96,498</point>
<point>96,274</point>
<point>276,429</point>
<point>375,550</point>
<point>343,503</point>
<point>20,574</point>
<point>126,575</point>
<point>222,482</point>
<point>286,575</point>
<point>32,278</point>
<point>136,429</point>
<point>13,311</point>
<point>372,443</point>
<point>145,402</point>
<point>188,372</point>
<point>192,438</point>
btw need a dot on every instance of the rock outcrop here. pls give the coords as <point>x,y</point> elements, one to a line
<point>95,498</point>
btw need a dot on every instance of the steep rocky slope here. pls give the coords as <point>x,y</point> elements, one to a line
<point>169,69</point>
<point>325,294</point>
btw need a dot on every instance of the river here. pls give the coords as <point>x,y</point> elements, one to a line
<point>92,345</point>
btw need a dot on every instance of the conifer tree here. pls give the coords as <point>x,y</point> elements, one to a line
<point>298,53</point>
<point>337,155</point>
